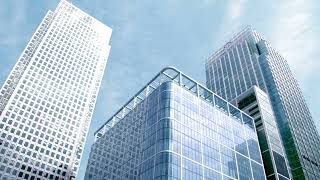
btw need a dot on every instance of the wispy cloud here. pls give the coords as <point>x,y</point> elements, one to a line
<point>293,35</point>
<point>232,21</point>
<point>12,15</point>
<point>236,9</point>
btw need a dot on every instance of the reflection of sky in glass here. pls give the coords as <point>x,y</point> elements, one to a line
<point>182,147</point>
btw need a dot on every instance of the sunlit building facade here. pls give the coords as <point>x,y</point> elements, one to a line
<point>256,103</point>
<point>175,128</point>
<point>249,60</point>
<point>47,101</point>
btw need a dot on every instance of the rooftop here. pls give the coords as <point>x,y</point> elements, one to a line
<point>173,75</point>
<point>228,44</point>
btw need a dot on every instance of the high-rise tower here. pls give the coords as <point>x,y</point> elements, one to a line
<point>48,99</point>
<point>249,60</point>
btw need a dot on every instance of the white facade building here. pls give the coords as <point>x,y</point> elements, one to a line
<point>47,101</point>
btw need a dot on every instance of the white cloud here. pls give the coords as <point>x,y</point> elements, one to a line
<point>12,16</point>
<point>231,23</point>
<point>236,9</point>
<point>293,35</point>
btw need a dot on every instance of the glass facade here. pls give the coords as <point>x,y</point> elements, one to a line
<point>256,103</point>
<point>47,101</point>
<point>177,133</point>
<point>249,60</point>
<point>235,68</point>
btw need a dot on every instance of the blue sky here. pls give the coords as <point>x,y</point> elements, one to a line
<point>149,35</point>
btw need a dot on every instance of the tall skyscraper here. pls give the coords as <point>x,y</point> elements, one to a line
<point>248,60</point>
<point>47,101</point>
<point>175,128</point>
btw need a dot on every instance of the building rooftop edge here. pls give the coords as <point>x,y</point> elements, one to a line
<point>234,37</point>
<point>80,10</point>
<point>168,73</point>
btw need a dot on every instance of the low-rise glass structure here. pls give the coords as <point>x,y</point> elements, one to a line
<point>175,128</point>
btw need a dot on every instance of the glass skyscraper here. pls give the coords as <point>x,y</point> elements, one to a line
<point>47,101</point>
<point>248,60</point>
<point>175,128</point>
<point>256,103</point>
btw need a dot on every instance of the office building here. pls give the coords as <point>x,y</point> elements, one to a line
<point>249,60</point>
<point>48,99</point>
<point>256,103</point>
<point>175,128</point>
